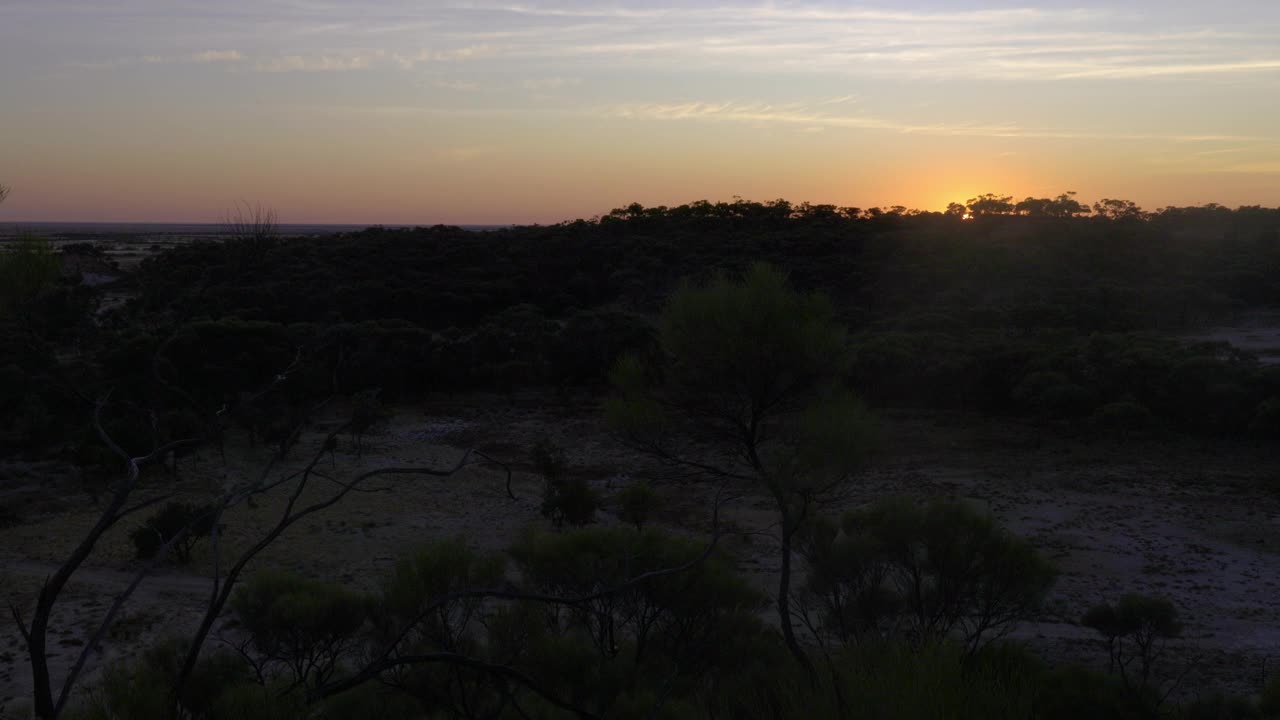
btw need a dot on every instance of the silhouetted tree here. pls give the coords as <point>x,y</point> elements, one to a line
<point>1064,205</point>
<point>253,229</point>
<point>990,204</point>
<point>1118,209</point>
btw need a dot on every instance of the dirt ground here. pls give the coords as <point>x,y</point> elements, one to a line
<point>1256,331</point>
<point>1198,524</point>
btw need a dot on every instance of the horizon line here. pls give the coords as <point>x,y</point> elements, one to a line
<point>735,200</point>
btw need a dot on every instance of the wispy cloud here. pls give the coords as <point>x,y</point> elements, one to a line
<point>315,63</point>
<point>1005,44</point>
<point>808,118</point>
<point>1142,71</point>
<point>217,56</point>
<point>1010,44</point>
<point>455,85</point>
<point>551,83</point>
<point>206,56</point>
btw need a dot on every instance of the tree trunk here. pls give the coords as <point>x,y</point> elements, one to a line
<point>43,695</point>
<point>784,597</point>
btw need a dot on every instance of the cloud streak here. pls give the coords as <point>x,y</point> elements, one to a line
<point>803,116</point>
<point>204,57</point>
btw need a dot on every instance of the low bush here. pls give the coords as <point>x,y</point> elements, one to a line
<point>178,525</point>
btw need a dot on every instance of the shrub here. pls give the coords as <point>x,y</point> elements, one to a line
<point>636,502</point>
<point>180,525</point>
<point>689,615</point>
<point>366,411</point>
<point>1266,420</point>
<point>1269,701</point>
<point>413,591</point>
<point>301,625</point>
<point>1123,417</point>
<point>565,498</point>
<point>922,573</point>
<point>1073,692</point>
<point>1135,628</point>
<point>889,682</point>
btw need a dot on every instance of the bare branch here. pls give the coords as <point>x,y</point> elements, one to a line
<point>74,673</point>
<point>222,593</point>
<point>22,625</point>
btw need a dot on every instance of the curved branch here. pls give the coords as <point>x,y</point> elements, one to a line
<point>74,673</point>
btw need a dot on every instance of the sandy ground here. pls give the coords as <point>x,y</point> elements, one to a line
<point>1201,526</point>
<point>1257,332</point>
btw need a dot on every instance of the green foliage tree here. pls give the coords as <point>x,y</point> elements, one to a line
<point>410,596</point>
<point>302,625</point>
<point>749,388</point>
<point>425,608</point>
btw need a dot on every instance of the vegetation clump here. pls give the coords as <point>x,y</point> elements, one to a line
<point>567,498</point>
<point>922,574</point>
<point>179,526</point>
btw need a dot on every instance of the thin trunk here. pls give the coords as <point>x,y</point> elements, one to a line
<point>784,598</point>
<point>37,641</point>
<point>39,663</point>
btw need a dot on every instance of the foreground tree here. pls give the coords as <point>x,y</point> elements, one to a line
<point>749,388</point>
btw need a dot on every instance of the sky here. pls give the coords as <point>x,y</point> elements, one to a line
<point>426,111</point>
